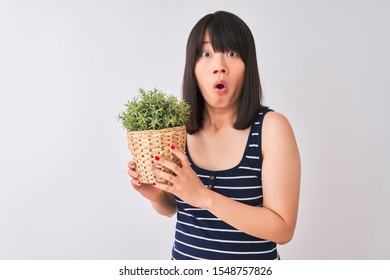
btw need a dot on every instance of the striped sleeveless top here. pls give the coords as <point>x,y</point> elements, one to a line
<point>201,235</point>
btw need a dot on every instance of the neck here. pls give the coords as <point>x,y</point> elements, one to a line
<point>216,119</point>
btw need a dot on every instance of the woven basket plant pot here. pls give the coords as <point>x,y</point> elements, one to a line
<point>144,145</point>
<point>154,121</point>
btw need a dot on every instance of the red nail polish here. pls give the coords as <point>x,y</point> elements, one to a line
<point>157,158</point>
<point>139,183</point>
<point>153,183</point>
<point>172,147</point>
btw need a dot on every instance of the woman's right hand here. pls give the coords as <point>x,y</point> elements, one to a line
<point>162,202</point>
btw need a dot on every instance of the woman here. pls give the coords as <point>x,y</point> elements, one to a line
<point>236,194</point>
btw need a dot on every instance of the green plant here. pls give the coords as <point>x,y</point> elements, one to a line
<point>154,110</point>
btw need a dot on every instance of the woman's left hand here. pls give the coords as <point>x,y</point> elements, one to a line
<point>184,183</point>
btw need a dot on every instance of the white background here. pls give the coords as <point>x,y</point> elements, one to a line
<point>68,67</point>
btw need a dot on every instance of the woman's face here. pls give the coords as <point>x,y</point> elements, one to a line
<point>220,76</point>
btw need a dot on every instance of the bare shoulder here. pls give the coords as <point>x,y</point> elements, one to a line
<point>275,123</point>
<point>277,132</point>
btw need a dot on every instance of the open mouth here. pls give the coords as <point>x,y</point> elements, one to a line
<point>220,85</point>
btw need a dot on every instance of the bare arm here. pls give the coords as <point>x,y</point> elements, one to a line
<point>165,206</point>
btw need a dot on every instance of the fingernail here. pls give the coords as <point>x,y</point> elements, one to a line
<point>157,158</point>
<point>172,147</point>
<point>153,183</point>
<point>139,183</point>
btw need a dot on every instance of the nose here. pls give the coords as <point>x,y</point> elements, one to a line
<point>219,64</point>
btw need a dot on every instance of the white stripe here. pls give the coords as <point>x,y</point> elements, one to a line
<point>194,209</point>
<point>224,241</point>
<point>211,229</point>
<point>247,198</point>
<point>190,215</point>
<point>255,133</point>
<point>260,113</point>
<point>249,168</point>
<point>225,252</point>
<point>237,177</point>
<point>184,213</point>
<point>257,123</point>
<point>253,145</point>
<point>187,255</point>
<point>203,176</point>
<point>210,219</point>
<point>238,188</point>
<point>252,157</point>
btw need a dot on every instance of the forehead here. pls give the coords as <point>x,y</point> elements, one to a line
<point>206,41</point>
<point>206,38</point>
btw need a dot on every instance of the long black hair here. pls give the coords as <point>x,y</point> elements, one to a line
<point>227,33</point>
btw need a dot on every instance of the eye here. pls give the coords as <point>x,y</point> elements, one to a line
<point>232,53</point>
<point>206,54</point>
